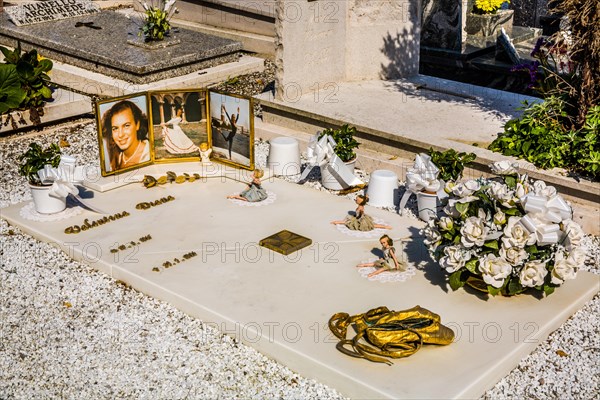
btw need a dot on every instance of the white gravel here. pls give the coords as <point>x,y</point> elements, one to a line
<point>67,331</point>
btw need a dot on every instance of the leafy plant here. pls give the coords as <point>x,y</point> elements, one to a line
<point>32,75</point>
<point>156,19</point>
<point>35,158</point>
<point>345,142</point>
<point>11,93</point>
<point>32,71</point>
<point>488,6</point>
<point>451,163</point>
<point>540,136</point>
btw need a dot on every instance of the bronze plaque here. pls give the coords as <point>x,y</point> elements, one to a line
<point>285,242</point>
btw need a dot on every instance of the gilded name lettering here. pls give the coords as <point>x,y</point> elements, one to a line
<point>87,225</point>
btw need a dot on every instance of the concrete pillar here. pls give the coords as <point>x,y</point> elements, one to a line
<point>310,40</point>
<point>319,43</point>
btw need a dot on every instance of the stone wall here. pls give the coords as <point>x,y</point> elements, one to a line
<point>310,46</point>
<point>322,42</point>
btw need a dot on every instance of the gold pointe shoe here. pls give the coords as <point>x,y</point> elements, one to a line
<point>394,334</point>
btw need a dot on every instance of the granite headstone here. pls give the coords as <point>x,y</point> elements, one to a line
<point>442,24</point>
<point>505,49</point>
<point>44,11</point>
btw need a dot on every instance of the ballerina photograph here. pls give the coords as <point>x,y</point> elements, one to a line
<point>179,122</point>
<point>232,129</point>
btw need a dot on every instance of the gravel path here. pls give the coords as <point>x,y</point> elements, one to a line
<point>70,332</point>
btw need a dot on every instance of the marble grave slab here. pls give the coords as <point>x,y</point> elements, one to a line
<point>102,46</point>
<point>280,304</point>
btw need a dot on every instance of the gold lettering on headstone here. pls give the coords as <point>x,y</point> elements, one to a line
<point>86,225</point>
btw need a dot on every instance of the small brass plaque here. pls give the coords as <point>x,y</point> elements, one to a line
<point>285,242</point>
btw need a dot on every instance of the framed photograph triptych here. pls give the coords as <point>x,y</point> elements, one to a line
<point>170,126</point>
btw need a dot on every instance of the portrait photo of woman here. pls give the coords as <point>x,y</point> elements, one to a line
<point>123,134</point>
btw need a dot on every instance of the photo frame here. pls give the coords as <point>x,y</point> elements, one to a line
<point>167,126</point>
<point>179,124</point>
<point>124,135</point>
<point>231,129</point>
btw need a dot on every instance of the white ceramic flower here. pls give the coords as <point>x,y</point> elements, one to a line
<point>516,235</point>
<point>450,210</point>
<point>533,273</point>
<point>472,185</point>
<point>541,189</point>
<point>504,167</point>
<point>481,213</point>
<point>499,218</point>
<point>574,234</point>
<point>455,258</point>
<point>461,190</point>
<point>514,255</point>
<point>433,237</point>
<point>494,270</point>
<point>500,192</point>
<point>446,223</point>
<point>564,269</point>
<point>473,232</point>
<point>521,190</point>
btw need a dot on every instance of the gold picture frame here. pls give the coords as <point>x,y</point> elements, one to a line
<point>223,120</point>
<point>179,124</point>
<point>231,128</point>
<point>126,145</point>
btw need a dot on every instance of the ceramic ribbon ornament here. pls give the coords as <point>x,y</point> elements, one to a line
<point>544,215</point>
<point>320,153</point>
<point>423,176</point>
<point>64,178</point>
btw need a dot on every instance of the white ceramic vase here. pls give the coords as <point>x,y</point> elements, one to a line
<point>329,181</point>
<point>44,203</point>
<point>427,204</point>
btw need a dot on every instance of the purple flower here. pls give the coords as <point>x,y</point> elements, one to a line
<point>537,47</point>
<point>531,69</point>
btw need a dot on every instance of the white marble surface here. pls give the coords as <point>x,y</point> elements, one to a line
<point>281,305</point>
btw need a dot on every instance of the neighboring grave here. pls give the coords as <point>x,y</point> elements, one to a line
<point>44,11</point>
<point>528,12</point>
<point>443,24</point>
<point>319,43</point>
<point>99,43</point>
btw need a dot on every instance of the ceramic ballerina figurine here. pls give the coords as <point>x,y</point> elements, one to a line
<point>205,153</point>
<point>255,191</point>
<point>360,221</point>
<point>388,262</point>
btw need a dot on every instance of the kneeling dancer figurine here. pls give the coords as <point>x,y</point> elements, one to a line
<point>360,221</point>
<point>255,191</point>
<point>389,261</point>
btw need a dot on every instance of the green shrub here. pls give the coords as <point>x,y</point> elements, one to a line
<point>450,163</point>
<point>345,142</point>
<point>540,137</point>
<point>24,78</point>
